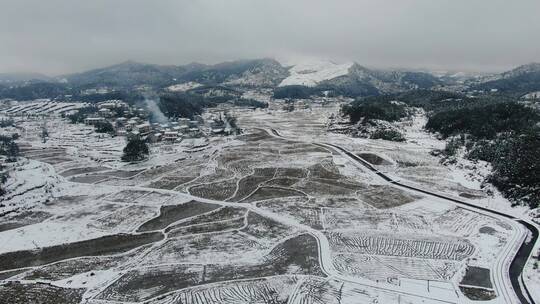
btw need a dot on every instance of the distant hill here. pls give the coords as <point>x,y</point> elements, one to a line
<point>34,90</point>
<point>257,72</point>
<point>519,81</point>
<point>127,74</point>
<point>350,79</point>
<point>13,78</point>
<point>361,81</point>
<point>252,73</point>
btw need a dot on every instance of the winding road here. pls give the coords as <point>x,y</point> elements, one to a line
<point>508,278</point>
<point>510,266</point>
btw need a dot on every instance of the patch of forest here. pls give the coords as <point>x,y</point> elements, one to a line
<point>493,127</point>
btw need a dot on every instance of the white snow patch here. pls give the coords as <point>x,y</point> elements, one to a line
<point>182,87</point>
<point>311,73</point>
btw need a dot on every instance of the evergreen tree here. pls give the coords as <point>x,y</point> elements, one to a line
<point>135,150</point>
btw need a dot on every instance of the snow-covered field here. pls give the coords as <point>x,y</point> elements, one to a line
<point>182,87</point>
<point>254,218</point>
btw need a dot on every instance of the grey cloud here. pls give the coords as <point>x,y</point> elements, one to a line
<point>61,36</point>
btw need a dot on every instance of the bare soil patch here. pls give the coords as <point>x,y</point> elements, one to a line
<point>171,214</point>
<point>374,159</point>
<point>219,191</point>
<point>478,294</point>
<point>265,193</point>
<point>477,276</point>
<point>384,197</point>
<point>17,293</point>
<point>101,246</point>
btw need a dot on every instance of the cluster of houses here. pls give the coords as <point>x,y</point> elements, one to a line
<point>133,123</point>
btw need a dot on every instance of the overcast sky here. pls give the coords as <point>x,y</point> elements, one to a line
<point>62,36</point>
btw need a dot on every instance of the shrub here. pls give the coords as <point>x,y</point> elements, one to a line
<point>135,150</point>
<point>388,111</point>
<point>104,127</point>
<point>485,121</point>
<point>9,148</point>
<point>293,91</point>
<point>387,134</point>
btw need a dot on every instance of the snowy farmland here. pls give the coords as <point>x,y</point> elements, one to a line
<point>255,218</point>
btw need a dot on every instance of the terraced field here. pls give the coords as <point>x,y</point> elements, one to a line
<point>256,219</point>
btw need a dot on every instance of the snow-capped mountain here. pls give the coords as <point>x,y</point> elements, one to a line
<point>311,73</point>
<point>363,81</point>
<point>354,79</point>
<point>521,80</point>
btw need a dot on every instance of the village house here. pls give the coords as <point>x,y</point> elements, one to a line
<point>93,120</point>
<point>144,129</point>
<point>170,136</point>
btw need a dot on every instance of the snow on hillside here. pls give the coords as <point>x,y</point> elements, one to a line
<point>29,183</point>
<point>532,95</point>
<point>182,87</point>
<point>313,72</point>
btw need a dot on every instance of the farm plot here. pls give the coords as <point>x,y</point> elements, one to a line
<point>146,176</point>
<point>266,290</point>
<point>19,293</point>
<point>67,268</point>
<point>220,226</point>
<point>157,198</point>
<point>478,294</point>
<point>247,186</point>
<point>319,290</point>
<point>218,175</point>
<point>265,193</point>
<point>55,160</point>
<point>291,172</point>
<point>173,213</point>
<point>296,208</point>
<point>281,182</point>
<point>222,247</point>
<point>384,197</point>
<point>339,202</point>
<point>101,246</point>
<point>374,219</point>
<point>303,150</point>
<point>390,269</point>
<point>265,230</point>
<point>477,276</point>
<point>319,187</point>
<point>298,256</point>
<point>145,283</point>
<point>126,196</point>
<point>10,274</point>
<point>256,136</point>
<point>374,159</point>
<point>89,178</point>
<point>459,221</point>
<point>83,170</point>
<point>119,182</point>
<point>220,191</point>
<point>195,168</point>
<point>445,248</point>
<point>325,170</point>
<point>242,167</point>
<point>125,219</point>
<point>170,182</point>
<point>221,214</point>
<point>22,219</point>
<point>123,173</point>
<point>85,210</point>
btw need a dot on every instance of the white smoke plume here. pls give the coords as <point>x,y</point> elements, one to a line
<point>152,106</point>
